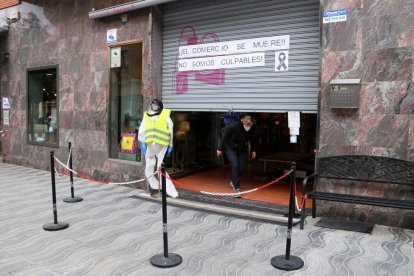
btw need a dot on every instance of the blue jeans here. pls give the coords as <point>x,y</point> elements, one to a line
<point>237,161</point>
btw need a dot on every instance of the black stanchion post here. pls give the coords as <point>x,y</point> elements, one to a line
<point>166,259</point>
<point>288,262</point>
<point>55,226</point>
<point>72,189</point>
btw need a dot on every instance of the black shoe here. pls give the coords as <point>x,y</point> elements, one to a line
<point>153,192</point>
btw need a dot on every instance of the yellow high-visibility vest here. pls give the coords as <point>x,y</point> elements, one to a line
<point>158,132</point>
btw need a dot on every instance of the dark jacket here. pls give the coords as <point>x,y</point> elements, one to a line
<point>237,138</point>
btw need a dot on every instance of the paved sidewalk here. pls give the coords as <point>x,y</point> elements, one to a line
<point>113,233</point>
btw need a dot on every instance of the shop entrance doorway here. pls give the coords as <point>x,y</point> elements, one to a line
<point>196,167</point>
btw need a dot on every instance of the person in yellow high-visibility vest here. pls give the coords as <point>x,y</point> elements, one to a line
<point>156,136</point>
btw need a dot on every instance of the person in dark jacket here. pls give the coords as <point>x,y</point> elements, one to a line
<point>234,143</point>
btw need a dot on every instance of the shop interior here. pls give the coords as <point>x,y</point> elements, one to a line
<point>194,163</point>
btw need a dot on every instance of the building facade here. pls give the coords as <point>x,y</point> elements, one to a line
<point>374,45</point>
<point>60,37</point>
<point>82,71</point>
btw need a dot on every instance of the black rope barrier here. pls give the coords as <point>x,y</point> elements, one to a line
<point>166,259</point>
<point>55,226</point>
<point>71,199</point>
<point>287,261</point>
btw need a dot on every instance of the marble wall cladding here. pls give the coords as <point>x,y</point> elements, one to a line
<point>61,33</point>
<point>350,38</point>
<point>410,153</point>
<point>375,45</point>
<point>383,59</point>
<point>391,64</point>
<point>378,8</point>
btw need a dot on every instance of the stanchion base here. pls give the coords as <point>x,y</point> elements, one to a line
<point>170,261</point>
<point>72,199</point>
<point>55,226</point>
<point>293,263</point>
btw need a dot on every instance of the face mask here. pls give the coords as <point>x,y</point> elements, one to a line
<point>153,110</point>
<point>247,128</point>
<point>155,107</point>
<point>150,112</point>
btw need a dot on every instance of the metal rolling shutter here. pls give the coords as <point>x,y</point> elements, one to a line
<point>253,89</point>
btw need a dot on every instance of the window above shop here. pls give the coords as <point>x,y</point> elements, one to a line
<point>42,108</point>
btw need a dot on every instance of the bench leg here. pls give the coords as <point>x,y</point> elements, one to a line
<point>313,208</point>
<point>303,215</point>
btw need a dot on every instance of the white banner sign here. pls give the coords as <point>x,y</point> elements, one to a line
<point>235,47</point>
<point>210,63</point>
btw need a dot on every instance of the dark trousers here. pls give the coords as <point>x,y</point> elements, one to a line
<point>237,161</point>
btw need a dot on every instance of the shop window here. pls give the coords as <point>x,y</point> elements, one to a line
<point>43,123</point>
<point>126,101</point>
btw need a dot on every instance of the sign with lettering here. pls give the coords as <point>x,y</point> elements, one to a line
<point>335,16</point>
<point>111,36</point>
<point>235,47</point>
<point>232,61</point>
<point>6,103</point>
<point>293,119</point>
<point>6,117</point>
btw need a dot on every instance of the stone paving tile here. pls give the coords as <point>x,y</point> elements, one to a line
<point>113,233</point>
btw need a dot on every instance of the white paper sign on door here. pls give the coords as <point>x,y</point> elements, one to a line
<point>293,119</point>
<point>116,57</point>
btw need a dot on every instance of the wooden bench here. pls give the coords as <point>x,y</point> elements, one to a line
<point>360,168</point>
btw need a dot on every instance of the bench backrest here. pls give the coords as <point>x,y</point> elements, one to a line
<point>366,168</point>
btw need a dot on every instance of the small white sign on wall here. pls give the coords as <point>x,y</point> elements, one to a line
<point>6,103</point>
<point>6,117</point>
<point>335,16</point>
<point>111,36</point>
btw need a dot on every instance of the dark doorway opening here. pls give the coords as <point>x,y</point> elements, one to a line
<point>194,162</point>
